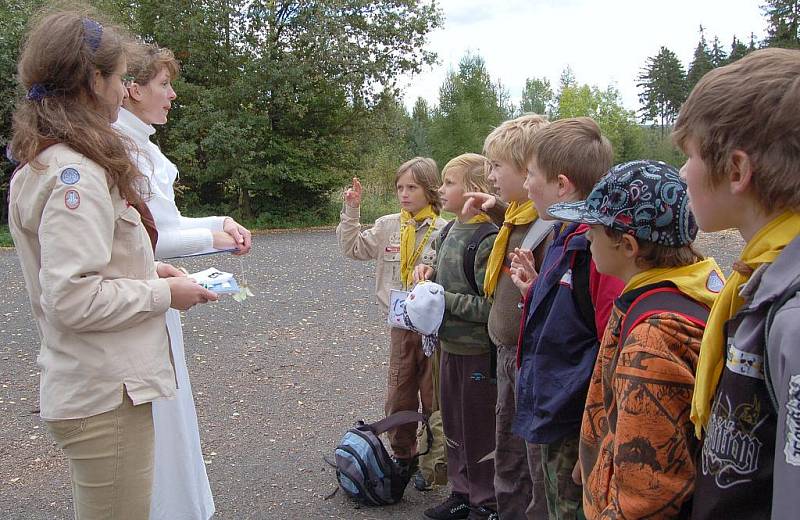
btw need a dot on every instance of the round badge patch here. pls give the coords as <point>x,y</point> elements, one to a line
<point>714,282</point>
<point>70,176</point>
<point>72,199</point>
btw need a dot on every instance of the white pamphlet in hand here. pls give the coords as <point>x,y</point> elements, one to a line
<point>217,281</point>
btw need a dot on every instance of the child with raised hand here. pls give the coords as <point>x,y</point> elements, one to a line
<point>467,390</point>
<point>740,130</point>
<point>636,450</point>
<point>507,149</point>
<point>566,308</point>
<point>397,243</point>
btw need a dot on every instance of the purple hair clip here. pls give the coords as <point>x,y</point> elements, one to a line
<point>37,92</point>
<point>92,33</point>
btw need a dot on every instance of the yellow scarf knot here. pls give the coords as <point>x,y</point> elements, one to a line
<point>516,215</point>
<point>408,239</point>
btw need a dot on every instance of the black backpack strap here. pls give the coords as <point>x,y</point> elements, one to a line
<point>657,301</point>
<point>399,419</point>
<point>580,288</point>
<point>445,230</point>
<point>774,307</point>
<point>484,231</point>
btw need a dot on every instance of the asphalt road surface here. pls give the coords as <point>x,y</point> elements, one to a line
<point>277,380</point>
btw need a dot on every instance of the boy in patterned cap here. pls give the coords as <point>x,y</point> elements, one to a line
<point>636,446</point>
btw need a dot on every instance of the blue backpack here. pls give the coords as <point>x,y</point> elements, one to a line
<point>365,470</point>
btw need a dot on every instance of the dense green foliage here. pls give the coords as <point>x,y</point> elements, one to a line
<point>278,101</point>
<point>470,105</point>
<point>281,102</point>
<point>783,17</point>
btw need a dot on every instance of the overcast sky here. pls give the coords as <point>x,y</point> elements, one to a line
<point>604,41</point>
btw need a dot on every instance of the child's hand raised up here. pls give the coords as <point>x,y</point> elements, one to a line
<point>352,196</point>
<point>523,271</point>
<point>476,203</point>
<point>422,272</point>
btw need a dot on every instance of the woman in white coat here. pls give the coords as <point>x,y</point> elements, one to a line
<point>181,490</point>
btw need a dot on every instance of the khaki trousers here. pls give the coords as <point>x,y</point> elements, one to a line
<point>110,461</point>
<point>433,465</point>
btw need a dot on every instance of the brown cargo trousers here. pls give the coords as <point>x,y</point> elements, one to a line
<point>409,386</point>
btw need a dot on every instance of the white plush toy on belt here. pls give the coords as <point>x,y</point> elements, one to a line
<point>423,313</point>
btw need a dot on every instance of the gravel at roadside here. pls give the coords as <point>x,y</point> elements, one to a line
<point>277,380</point>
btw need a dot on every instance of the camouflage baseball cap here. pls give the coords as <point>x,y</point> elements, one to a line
<point>646,199</point>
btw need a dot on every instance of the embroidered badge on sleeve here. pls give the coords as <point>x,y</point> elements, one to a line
<point>715,282</point>
<point>792,447</point>
<point>70,176</point>
<point>72,199</point>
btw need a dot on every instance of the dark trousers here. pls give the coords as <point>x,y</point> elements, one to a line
<point>468,398</point>
<point>410,383</point>
<point>518,497</point>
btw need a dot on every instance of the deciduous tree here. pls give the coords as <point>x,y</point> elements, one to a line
<point>537,96</point>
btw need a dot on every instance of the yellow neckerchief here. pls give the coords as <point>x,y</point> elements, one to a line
<point>764,247</point>
<point>516,214</point>
<point>479,219</point>
<point>408,238</point>
<point>699,281</point>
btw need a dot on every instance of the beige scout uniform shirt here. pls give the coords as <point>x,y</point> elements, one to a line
<point>96,298</point>
<point>381,242</point>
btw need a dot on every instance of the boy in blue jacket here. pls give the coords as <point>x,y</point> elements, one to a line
<point>567,305</point>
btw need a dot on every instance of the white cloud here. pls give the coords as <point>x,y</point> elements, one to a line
<point>605,42</point>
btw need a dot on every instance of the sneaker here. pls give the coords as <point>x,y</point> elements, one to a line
<point>455,507</point>
<point>420,482</point>
<point>482,513</point>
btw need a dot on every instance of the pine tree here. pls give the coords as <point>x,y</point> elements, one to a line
<point>783,23</point>
<point>701,62</point>
<point>738,50</point>
<point>470,105</point>
<point>718,57</point>
<point>752,46</point>
<point>662,85</point>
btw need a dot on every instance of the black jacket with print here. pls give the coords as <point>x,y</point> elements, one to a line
<point>749,465</point>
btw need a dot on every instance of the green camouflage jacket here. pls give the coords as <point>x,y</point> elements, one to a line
<point>463,329</point>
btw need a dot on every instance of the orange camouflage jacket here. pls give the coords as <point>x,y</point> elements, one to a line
<point>637,447</point>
